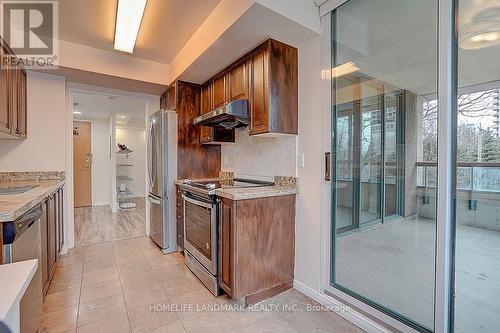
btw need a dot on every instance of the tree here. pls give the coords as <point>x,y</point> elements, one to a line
<point>490,146</point>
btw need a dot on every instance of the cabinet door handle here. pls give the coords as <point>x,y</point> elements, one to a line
<point>328,166</point>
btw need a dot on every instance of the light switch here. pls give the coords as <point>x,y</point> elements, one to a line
<point>300,161</point>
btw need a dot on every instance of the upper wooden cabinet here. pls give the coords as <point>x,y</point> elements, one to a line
<point>5,115</point>
<point>238,81</point>
<point>273,89</point>
<point>212,135</point>
<point>219,91</point>
<point>13,98</point>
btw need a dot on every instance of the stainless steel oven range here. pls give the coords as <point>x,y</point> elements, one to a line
<point>201,226</point>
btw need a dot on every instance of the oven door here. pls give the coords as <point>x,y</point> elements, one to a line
<point>200,230</point>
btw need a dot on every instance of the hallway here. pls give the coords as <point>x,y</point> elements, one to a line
<point>99,224</point>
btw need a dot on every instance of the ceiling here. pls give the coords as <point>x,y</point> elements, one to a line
<point>404,52</point>
<point>129,111</point>
<point>166,26</point>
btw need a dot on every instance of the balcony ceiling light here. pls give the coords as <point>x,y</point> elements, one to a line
<point>482,31</point>
<point>128,21</point>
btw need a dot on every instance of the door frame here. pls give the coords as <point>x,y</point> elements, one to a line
<point>91,152</point>
<point>368,316</point>
<point>71,89</point>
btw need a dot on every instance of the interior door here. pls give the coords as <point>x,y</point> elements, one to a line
<point>82,164</point>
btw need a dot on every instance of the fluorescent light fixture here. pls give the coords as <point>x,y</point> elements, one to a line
<point>128,21</point>
<point>77,112</point>
<point>344,69</point>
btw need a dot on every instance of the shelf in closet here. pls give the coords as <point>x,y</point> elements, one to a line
<point>124,178</point>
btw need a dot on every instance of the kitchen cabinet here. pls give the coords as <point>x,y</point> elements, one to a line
<point>238,81</point>
<point>179,213</point>
<point>212,135</point>
<point>13,111</point>
<point>219,91</point>
<point>52,235</point>
<point>5,116</point>
<point>273,92</point>
<point>169,99</point>
<point>256,247</point>
<point>226,245</point>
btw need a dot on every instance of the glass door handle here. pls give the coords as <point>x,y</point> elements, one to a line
<point>328,157</point>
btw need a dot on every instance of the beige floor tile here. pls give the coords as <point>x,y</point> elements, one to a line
<point>100,309</point>
<point>270,324</point>
<point>139,280</point>
<point>176,327</point>
<point>172,272</point>
<point>59,321</point>
<point>99,264</point>
<point>178,287</point>
<point>69,269</point>
<point>61,300</point>
<point>193,302</point>
<point>142,319</point>
<point>65,283</point>
<point>104,289</point>
<point>114,324</point>
<point>134,267</point>
<point>143,296</point>
<point>206,320</point>
<point>100,276</point>
<point>70,260</point>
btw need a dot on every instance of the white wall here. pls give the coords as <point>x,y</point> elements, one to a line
<point>44,149</point>
<point>260,157</point>
<point>310,178</point>
<point>135,139</point>
<point>101,166</point>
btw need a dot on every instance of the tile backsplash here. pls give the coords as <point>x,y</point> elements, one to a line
<point>260,157</point>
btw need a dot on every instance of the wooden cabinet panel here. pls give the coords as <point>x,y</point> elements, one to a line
<point>12,98</point>
<point>259,108</point>
<point>226,246</point>
<point>44,266</point>
<point>21,104</point>
<point>171,100</point>
<point>179,212</point>
<point>163,101</point>
<point>206,98</point>
<point>5,115</point>
<point>51,235</point>
<point>219,93</point>
<point>238,81</point>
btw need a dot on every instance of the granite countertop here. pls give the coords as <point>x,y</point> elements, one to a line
<point>283,186</point>
<point>13,206</point>
<point>255,192</point>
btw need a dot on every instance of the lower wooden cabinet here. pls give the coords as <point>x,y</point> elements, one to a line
<point>52,237</point>
<point>256,247</point>
<point>179,213</point>
<point>226,245</point>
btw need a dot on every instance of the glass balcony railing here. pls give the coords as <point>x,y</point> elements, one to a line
<point>471,176</point>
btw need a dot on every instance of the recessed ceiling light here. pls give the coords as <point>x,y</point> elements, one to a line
<point>123,117</point>
<point>77,112</point>
<point>128,21</point>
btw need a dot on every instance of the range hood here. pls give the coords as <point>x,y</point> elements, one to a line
<point>232,115</point>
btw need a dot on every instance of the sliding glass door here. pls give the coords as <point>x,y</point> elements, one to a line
<point>477,245</point>
<point>384,60</point>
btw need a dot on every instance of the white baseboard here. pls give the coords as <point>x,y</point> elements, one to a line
<point>100,203</point>
<point>350,314</point>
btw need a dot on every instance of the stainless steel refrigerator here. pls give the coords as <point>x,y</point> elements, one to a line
<point>162,172</point>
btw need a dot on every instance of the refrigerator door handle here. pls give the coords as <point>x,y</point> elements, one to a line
<point>154,200</point>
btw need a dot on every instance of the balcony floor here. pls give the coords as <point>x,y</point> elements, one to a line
<point>393,265</point>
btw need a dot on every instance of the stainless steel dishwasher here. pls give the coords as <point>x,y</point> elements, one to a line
<point>22,241</point>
